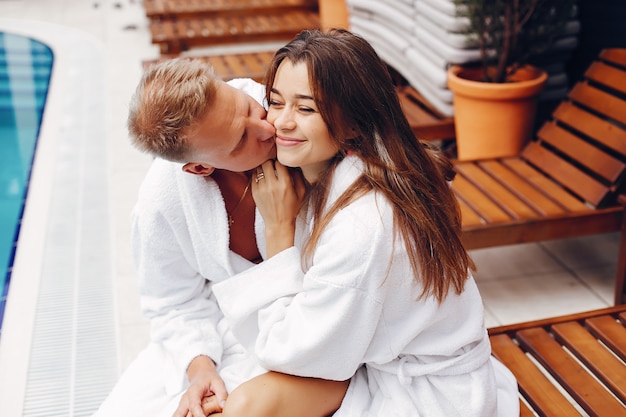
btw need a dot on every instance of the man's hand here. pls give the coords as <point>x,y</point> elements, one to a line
<point>210,405</point>
<point>206,393</point>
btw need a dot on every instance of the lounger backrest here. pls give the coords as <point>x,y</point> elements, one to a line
<point>583,146</point>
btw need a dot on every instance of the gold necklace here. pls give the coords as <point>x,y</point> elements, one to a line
<point>245,191</point>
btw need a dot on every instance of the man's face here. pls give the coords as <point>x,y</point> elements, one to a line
<point>234,135</point>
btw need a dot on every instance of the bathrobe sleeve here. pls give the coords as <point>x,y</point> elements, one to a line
<point>174,295</point>
<point>319,323</point>
<point>180,245</point>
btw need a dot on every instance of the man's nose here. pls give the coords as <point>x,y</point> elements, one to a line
<point>265,130</point>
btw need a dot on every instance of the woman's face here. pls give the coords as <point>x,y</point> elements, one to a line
<point>302,137</point>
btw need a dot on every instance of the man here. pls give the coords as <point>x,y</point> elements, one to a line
<point>190,231</point>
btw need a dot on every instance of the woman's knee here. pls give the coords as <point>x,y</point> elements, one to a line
<point>248,400</point>
<point>279,395</point>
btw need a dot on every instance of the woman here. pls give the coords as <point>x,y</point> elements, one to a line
<point>374,272</point>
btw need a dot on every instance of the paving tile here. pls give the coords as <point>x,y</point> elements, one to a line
<point>537,296</point>
<point>512,261</point>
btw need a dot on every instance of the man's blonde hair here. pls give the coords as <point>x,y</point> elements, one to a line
<point>171,97</point>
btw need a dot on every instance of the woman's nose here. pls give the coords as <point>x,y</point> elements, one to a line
<point>284,121</point>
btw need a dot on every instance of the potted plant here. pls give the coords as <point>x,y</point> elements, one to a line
<point>509,34</point>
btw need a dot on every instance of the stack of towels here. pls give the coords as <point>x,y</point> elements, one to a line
<point>421,38</point>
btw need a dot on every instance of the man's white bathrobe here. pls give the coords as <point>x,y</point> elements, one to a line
<point>357,305</point>
<point>181,246</point>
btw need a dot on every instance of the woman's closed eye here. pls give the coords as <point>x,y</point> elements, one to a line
<point>304,109</point>
<point>274,103</point>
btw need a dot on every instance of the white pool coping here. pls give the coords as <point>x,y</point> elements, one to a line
<point>72,194</point>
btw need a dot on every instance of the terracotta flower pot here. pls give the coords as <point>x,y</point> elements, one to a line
<point>334,14</point>
<point>494,119</point>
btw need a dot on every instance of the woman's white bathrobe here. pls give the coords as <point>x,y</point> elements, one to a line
<point>181,246</point>
<point>357,305</point>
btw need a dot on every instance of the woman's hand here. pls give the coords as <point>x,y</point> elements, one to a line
<point>278,194</point>
<point>206,393</point>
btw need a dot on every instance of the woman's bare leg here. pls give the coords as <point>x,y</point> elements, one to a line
<point>279,395</point>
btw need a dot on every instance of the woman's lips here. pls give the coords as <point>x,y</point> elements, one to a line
<point>285,141</point>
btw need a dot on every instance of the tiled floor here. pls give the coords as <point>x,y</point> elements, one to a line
<point>518,283</point>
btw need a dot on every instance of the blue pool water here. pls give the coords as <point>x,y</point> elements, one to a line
<point>25,68</point>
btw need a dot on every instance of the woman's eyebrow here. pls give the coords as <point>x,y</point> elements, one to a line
<point>298,96</point>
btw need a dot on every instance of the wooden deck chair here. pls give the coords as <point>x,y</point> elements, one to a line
<point>567,182</point>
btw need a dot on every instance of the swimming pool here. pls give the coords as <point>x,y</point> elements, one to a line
<point>25,68</point>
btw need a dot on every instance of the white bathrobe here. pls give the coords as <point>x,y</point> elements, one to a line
<point>181,247</point>
<point>357,305</point>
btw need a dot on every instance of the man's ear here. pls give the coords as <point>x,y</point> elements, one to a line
<point>197,168</point>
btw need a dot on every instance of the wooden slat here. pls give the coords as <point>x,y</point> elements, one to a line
<point>616,56</point>
<point>220,65</point>
<point>469,216</point>
<point>257,63</point>
<point>525,191</point>
<point>250,65</point>
<point>169,9</point>
<point>615,311</point>
<point>194,28</point>
<point>578,224</point>
<point>594,355</point>
<point>499,194</point>
<point>611,332</point>
<point>588,155</point>
<point>235,64</point>
<point>565,173</point>
<point>583,387</point>
<point>607,104</point>
<point>606,75</point>
<point>162,32</point>
<point>275,23</point>
<point>540,393</point>
<point>591,125</point>
<point>481,204</point>
<point>524,411</point>
<point>549,187</point>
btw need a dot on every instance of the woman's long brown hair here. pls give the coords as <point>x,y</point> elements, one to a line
<point>357,100</point>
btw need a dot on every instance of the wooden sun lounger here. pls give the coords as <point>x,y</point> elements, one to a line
<point>228,66</point>
<point>426,121</point>
<point>176,9</point>
<point>568,364</point>
<point>178,25</point>
<point>175,36</point>
<point>567,182</point>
